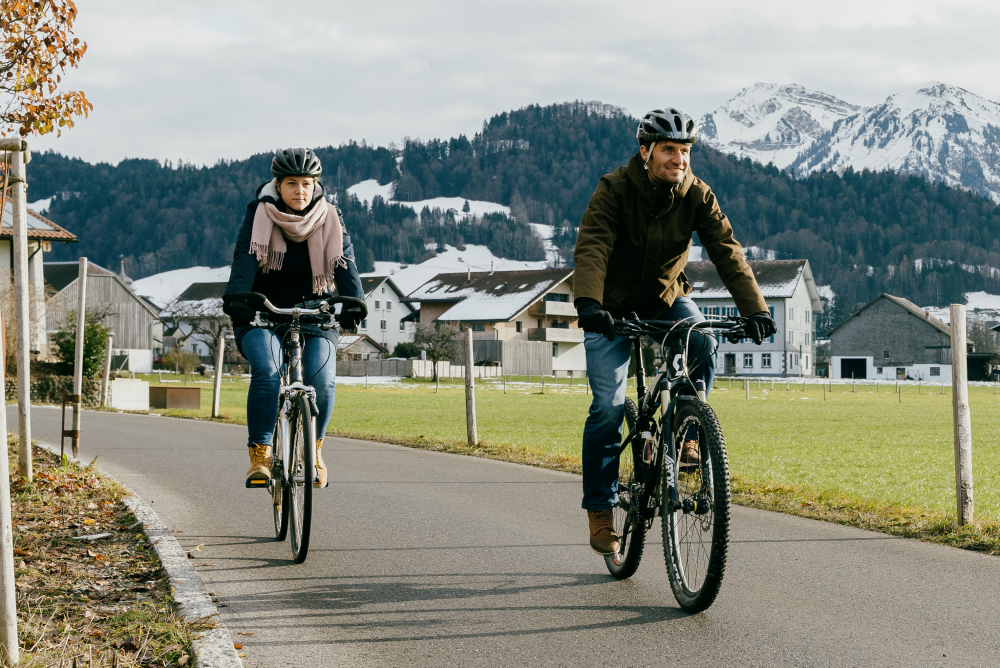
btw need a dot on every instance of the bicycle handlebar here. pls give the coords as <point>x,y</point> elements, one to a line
<point>733,328</point>
<point>255,298</point>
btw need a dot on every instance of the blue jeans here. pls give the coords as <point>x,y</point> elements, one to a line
<point>607,370</point>
<point>262,348</point>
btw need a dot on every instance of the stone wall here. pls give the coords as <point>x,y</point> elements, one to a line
<point>49,389</point>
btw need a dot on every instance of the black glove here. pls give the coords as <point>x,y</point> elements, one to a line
<point>593,319</point>
<point>760,325</point>
<point>351,316</point>
<point>239,312</point>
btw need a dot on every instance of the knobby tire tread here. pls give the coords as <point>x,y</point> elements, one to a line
<point>624,564</point>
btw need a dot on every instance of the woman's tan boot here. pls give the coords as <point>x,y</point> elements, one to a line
<point>321,472</point>
<point>259,473</point>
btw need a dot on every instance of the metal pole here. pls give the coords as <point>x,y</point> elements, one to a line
<point>107,372</point>
<point>960,412</point>
<point>81,326</point>
<point>21,315</point>
<point>8,601</point>
<point>470,391</point>
<point>220,355</point>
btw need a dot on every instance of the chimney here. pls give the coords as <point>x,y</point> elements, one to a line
<point>491,267</point>
<point>469,279</point>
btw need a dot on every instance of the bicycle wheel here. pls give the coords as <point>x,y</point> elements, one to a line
<point>696,534</point>
<point>628,522</point>
<point>279,491</point>
<point>302,439</point>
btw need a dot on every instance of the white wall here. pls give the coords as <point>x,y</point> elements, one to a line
<point>569,357</point>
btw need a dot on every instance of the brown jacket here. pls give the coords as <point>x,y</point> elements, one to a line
<point>634,239</point>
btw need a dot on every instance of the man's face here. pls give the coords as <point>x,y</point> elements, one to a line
<point>669,163</point>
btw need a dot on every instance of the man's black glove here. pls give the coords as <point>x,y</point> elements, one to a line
<point>239,312</point>
<point>760,325</point>
<point>350,316</point>
<point>593,319</point>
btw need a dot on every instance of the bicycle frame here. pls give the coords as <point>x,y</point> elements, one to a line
<point>290,390</point>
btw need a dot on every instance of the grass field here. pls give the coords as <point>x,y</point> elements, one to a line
<point>858,444</point>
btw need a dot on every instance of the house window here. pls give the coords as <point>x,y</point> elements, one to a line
<point>555,350</point>
<point>879,371</point>
<point>791,338</point>
<point>808,317</point>
<point>402,325</point>
<point>477,327</point>
<point>791,313</point>
<point>382,324</point>
<point>539,323</point>
<point>765,360</point>
<point>885,354</point>
<point>376,303</point>
<point>747,360</point>
<point>383,291</point>
<point>388,306</point>
<point>935,371</point>
<point>517,326</point>
<point>770,310</point>
<point>807,338</point>
<point>556,297</point>
<point>364,324</point>
<point>731,311</point>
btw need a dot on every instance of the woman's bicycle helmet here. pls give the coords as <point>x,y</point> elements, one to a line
<point>295,162</point>
<point>667,125</point>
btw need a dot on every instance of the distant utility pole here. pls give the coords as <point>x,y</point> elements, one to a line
<point>960,413</point>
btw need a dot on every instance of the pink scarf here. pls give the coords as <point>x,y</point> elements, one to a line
<point>320,229</point>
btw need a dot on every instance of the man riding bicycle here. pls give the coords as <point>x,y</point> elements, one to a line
<point>292,248</point>
<point>630,257</point>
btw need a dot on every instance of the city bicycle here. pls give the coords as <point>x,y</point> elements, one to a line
<point>673,464</point>
<point>293,462</point>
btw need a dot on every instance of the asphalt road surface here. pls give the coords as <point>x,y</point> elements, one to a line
<point>428,559</point>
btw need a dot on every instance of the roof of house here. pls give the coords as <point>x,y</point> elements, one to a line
<point>199,291</point>
<point>348,341</point>
<point>369,283</point>
<point>61,274</point>
<point>488,296</point>
<point>906,304</point>
<point>777,280</point>
<point>39,227</point>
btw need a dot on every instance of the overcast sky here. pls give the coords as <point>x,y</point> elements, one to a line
<point>203,80</point>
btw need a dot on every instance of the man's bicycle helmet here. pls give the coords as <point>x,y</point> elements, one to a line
<point>295,162</point>
<point>667,125</point>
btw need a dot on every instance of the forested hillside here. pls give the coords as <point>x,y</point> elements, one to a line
<point>864,233</point>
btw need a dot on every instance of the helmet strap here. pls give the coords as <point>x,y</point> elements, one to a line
<point>649,154</point>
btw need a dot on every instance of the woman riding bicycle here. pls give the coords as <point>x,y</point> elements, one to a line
<point>292,248</point>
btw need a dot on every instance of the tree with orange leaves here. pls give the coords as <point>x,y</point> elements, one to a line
<point>37,47</point>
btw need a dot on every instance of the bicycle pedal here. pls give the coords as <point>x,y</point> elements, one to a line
<point>257,483</point>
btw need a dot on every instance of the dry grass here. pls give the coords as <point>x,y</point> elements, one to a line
<point>105,602</point>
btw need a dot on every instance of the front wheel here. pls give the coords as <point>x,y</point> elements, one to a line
<point>302,439</point>
<point>696,530</point>
<point>279,490</point>
<point>628,521</point>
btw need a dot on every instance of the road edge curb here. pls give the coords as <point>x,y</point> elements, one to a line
<point>215,648</point>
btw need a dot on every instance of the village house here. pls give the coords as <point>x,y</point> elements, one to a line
<point>527,315</point>
<point>134,321</point>
<point>792,297</point>
<point>41,233</point>
<point>391,320</point>
<point>891,338</point>
<point>359,347</point>
<point>194,320</point>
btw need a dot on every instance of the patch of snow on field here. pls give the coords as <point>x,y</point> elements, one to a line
<point>367,190</point>
<point>41,206</point>
<point>372,380</point>
<point>163,288</point>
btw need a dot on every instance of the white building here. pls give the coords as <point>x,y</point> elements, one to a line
<point>390,320</point>
<point>793,299</point>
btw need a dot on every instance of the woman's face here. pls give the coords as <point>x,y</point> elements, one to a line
<point>297,191</point>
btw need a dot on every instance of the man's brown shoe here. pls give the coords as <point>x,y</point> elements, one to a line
<point>321,472</point>
<point>603,539</point>
<point>690,455</point>
<point>259,473</point>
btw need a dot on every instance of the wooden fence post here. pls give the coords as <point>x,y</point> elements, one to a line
<point>8,601</point>
<point>746,386</point>
<point>961,416</point>
<point>81,326</point>
<point>470,391</point>
<point>21,312</point>
<point>107,370</point>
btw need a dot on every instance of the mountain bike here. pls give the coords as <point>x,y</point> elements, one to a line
<point>674,465</point>
<point>293,462</point>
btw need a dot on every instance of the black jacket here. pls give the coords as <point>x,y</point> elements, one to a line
<point>292,283</point>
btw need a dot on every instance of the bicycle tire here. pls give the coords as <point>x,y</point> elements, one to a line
<point>279,490</point>
<point>623,563</point>
<point>696,570</point>
<point>302,438</point>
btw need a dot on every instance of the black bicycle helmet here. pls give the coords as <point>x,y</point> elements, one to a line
<point>667,125</point>
<point>295,162</point>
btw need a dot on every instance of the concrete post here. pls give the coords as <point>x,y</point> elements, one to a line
<point>81,327</point>
<point>961,417</point>
<point>21,313</point>
<point>470,391</point>
<point>8,599</point>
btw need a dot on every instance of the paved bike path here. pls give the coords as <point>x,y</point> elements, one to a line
<point>427,559</point>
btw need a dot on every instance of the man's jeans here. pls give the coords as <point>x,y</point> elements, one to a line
<point>262,348</point>
<point>607,369</point>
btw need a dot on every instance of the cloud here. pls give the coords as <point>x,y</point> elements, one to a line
<point>202,81</point>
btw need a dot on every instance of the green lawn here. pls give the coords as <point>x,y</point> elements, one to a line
<point>863,444</point>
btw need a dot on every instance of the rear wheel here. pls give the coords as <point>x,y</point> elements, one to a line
<point>628,522</point>
<point>279,490</point>
<point>696,532</point>
<point>302,439</point>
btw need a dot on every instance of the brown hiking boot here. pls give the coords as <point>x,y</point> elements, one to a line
<point>690,454</point>
<point>321,472</point>
<point>603,539</point>
<point>259,473</point>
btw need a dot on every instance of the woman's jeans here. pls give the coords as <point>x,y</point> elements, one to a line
<point>607,369</point>
<point>262,348</point>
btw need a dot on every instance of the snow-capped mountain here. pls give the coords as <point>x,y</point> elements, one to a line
<point>773,122</point>
<point>940,132</point>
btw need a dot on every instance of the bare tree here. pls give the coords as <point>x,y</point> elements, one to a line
<point>439,340</point>
<point>203,319</point>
